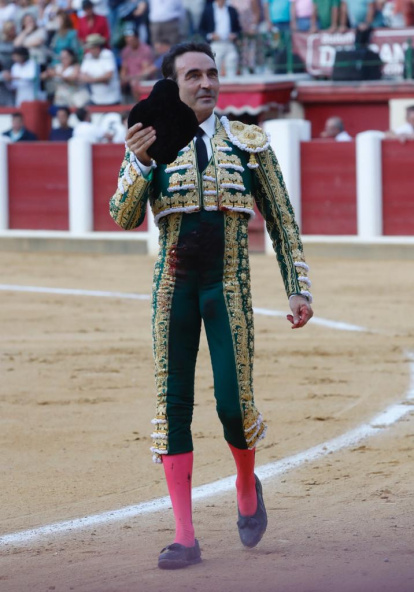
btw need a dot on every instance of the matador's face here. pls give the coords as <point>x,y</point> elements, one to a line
<point>198,81</point>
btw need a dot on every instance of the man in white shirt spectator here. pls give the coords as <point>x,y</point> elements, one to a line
<point>85,129</point>
<point>8,12</point>
<point>406,130</point>
<point>334,130</point>
<point>23,76</point>
<point>100,72</point>
<point>166,20</point>
<point>221,27</point>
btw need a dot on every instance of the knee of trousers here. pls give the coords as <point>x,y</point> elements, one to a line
<point>232,421</point>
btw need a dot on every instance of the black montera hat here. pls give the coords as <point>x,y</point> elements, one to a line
<point>174,122</point>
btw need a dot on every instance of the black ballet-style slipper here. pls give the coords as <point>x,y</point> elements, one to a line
<point>177,556</point>
<point>252,528</point>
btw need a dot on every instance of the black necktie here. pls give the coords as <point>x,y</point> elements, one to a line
<point>201,149</point>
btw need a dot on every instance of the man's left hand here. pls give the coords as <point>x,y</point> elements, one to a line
<point>301,309</point>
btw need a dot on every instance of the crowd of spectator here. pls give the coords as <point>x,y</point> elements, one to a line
<point>96,52</point>
<point>111,127</point>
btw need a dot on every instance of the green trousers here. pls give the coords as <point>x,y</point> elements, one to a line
<point>202,275</point>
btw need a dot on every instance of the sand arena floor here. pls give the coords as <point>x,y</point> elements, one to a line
<point>77,396</point>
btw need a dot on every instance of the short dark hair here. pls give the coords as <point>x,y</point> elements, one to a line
<point>21,51</point>
<point>168,63</point>
<point>71,53</point>
<point>63,108</point>
<point>18,114</point>
<point>410,108</point>
<point>82,113</point>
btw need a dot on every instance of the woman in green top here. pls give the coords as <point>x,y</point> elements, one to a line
<point>65,37</point>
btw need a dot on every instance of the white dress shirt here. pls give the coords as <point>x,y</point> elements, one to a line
<point>222,21</point>
<point>24,81</point>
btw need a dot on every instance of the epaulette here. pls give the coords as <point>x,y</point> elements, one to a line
<point>250,138</point>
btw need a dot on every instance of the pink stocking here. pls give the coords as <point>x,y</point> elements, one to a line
<point>178,470</point>
<point>245,482</point>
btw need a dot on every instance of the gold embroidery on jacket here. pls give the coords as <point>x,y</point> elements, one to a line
<point>236,286</point>
<point>235,195</point>
<point>128,204</point>
<point>182,201</point>
<point>283,223</point>
<point>162,293</point>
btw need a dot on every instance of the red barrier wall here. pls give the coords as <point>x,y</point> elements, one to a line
<point>38,186</point>
<point>362,105</point>
<point>398,188</point>
<point>328,180</point>
<point>364,116</point>
<point>106,161</point>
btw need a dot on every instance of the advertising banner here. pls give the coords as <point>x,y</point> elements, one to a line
<point>317,50</point>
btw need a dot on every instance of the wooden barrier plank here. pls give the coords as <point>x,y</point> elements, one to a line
<point>328,185</point>
<point>106,161</point>
<point>38,186</point>
<point>398,188</point>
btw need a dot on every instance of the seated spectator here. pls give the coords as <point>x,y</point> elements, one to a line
<point>114,126</point>
<point>22,76</point>
<point>6,62</point>
<point>18,132</point>
<point>92,23</point>
<point>100,72</point>
<point>137,63</point>
<point>34,39</point>
<point>195,9</point>
<point>359,14</point>
<point>87,130</point>
<point>120,131</point>
<point>277,15</point>
<point>161,48</point>
<point>334,130</point>
<point>406,130</point>
<point>47,18</point>
<point>26,7</point>
<point>165,20</point>
<point>221,27</point>
<point>66,37</point>
<point>249,12</point>
<point>302,16</point>
<point>326,14</point>
<point>63,132</point>
<point>8,12</point>
<point>100,7</point>
<point>63,81</point>
<point>134,12</point>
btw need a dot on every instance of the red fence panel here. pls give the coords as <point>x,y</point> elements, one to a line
<point>328,185</point>
<point>106,161</point>
<point>397,188</point>
<point>38,186</point>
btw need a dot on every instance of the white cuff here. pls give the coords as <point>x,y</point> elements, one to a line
<point>145,169</point>
<point>305,294</point>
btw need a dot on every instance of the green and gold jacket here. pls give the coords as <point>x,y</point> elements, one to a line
<point>242,171</point>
